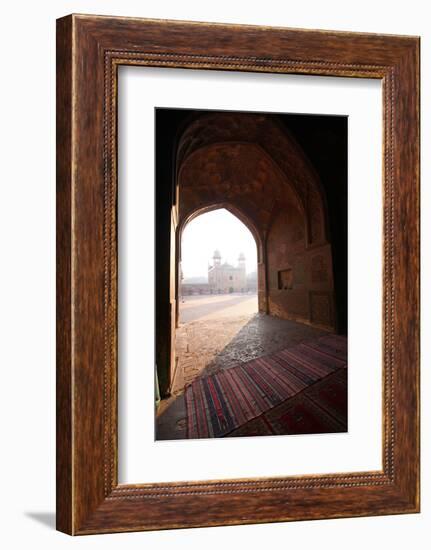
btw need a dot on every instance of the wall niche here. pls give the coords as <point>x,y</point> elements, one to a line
<point>285,279</point>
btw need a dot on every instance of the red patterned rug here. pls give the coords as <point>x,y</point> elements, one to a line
<point>320,408</point>
<point>219,404</point>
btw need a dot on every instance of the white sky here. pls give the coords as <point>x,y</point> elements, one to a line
<point>217,229</point>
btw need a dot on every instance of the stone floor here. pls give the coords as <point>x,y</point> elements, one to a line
<point>204,347</point>
<point>212,343</point>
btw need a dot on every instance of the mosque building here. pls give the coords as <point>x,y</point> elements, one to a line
<point>224,278</point>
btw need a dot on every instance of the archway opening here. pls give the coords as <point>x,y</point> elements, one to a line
<point>217,269</point>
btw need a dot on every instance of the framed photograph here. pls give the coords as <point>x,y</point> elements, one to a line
<point>237,274</point>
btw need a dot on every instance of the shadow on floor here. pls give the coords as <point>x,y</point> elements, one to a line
<point>262,335</point>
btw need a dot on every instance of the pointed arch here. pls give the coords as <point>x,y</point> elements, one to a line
<point>251,165</point>
<point>234,210</point>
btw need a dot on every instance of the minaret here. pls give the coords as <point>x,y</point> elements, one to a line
<point>217,257</point>
<point>241,261</point>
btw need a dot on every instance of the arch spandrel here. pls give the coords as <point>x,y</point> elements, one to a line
<point>236,173</point>
<point>276,142</point>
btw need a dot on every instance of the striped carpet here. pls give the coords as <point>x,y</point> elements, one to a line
<point>218,404</point>
<point>319,408</point>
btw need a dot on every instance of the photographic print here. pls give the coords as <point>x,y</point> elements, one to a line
<point>251,274</point>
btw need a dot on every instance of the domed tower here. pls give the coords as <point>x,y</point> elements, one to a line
<point>242,277</point>
<point>217,257</point>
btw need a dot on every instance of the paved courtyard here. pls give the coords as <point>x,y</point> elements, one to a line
<point>194,308</point>
<point>221,332</point>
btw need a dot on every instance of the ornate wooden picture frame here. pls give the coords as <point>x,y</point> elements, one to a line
<point>89,51</point>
